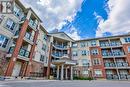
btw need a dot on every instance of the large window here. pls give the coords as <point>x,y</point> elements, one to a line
<point>93,43</point>
<point>85,72</point>
<point>96,61</point>
<point>94,51</point>
<point>127,39</point>
<point>98,73</point>
<point>84,52</point>
<point>74,45</point>
<point>10,24</point>
<point>85,62</point>
<point>42,58</point>
<point>3,41</point>
<point>43,47</point>
<point>82,44</point>
<point>75,53</point>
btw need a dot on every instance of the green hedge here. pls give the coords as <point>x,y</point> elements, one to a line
<point>83,78</point>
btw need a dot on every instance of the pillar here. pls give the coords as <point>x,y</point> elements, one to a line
<point>62,71</point>
<point>71,73</point>
<point>58,69</point>
<point>18,45</point>
<point>66,72</point>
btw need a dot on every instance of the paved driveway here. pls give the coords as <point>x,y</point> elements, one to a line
<point>46,83</point>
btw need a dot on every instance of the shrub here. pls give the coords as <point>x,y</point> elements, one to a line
<point>83,78</point>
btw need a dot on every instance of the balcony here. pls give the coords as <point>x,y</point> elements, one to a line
<point>122,76</point>
<point>112,44</point>
<point>32,24</point>
<point>109,64</point>
<point>112,54</point>
<point>23,53</point>
<point>59,55</point>
<point>61,47</point>
<point>112,76</point>
<point>28,37</point>
<point>122,64</point>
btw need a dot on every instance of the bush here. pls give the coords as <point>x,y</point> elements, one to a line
<point>83,78</point>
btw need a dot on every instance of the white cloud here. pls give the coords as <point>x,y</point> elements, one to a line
<point>118,21</point>
<point>54,12</point>
<point>73,33</point>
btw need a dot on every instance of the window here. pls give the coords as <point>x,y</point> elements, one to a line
<point>82,44</point>
<point>127,40</point>
<point>1,18</point>
<point>85,62</point>
<point>83,52</point>
<point>96,61</point>
<point>3,41</point>
<point>74,45</point>
<point>42,58</point>
<point>85,72</point>
<point>98,73</point>
<point>93,43</point>
<point>45,37</point>
<point>128,49</point>
<point>43,47</point>
<point>16,11</point>
<point>94,51</point>
<point>75,53</point>
<point>10,24</point>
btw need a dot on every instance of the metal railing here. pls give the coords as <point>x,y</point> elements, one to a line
<point>32,24</point>
<point>60,46</point>
<point>110,44</point>
<point>22,52</point>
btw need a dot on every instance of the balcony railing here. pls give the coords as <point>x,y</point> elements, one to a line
<point>112,76</point>
<point>122,64</point>
<point>113,54</point>
<point>109,64</point>
<point>110,44</point>
<point>60,46</point>
<point>22,52</point>
<point>32,24</point>
<point>117,64</point>
<point>122,76</point>
<point>59,55</point>
<point>29,36</point>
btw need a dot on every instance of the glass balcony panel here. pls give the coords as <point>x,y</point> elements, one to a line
<point>11,50</point>
<point>27,54</point>
<point>22,52</point>
<point>32,24</point>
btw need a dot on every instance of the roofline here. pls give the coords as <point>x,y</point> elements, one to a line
<point>64,33</point>
<point>19,2</point>
<point>93,38</point>
<point>42,28</point>
<point>103,37</point>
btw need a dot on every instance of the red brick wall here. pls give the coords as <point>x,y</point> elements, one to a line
<point>125,48</point>
<point>101,66</point>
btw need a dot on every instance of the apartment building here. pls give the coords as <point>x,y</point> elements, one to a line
<point>19,40</point>
<point>27,49</point>
<point>40,59</point>
<point>106,57</point>
<point>60,64</point>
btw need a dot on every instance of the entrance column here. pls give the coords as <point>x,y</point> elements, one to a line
<point>71,73</point>
<point>66,72</point>
<point>58,69</point>
<point>62,71</point>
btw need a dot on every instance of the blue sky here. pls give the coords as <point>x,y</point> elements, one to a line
<point>85,21</point>
<point>82,19</point>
